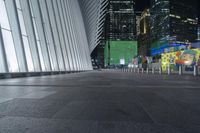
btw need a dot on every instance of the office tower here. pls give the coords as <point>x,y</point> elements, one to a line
<point>173,24</point>
<point>138,19</point>
<point>121,32</point>
<point>121,24</point>
<point>198,33</point>
<point>144,36</point>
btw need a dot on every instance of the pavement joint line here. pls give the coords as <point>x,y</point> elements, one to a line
<point>38,85</point>
<point>149,86</point>
<point>147,112</point>
<point>106,86</point>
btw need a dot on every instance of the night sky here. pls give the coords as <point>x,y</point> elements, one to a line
<point>142,4</point>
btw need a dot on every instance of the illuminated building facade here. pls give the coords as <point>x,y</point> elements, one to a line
<point>121,23</point>
<point>198,33</point>
<point>138,19</point>
<point>144,36</point>
<point>172,22</point>
<point>49,35</point>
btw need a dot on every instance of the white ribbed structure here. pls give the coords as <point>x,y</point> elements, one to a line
<point>49,35</point>
<point>94,12</point>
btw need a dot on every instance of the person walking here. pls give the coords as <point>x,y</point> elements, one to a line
<point>198,64</point>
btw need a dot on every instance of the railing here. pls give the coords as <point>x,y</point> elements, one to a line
<point>159,70</point>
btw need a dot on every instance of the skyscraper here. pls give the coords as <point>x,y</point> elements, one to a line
<point>121,32</point>
<point>138,18</point>
<point>121,23</point>
<point>198,33</point>
<point>173,23</point>
<point>144,36</point>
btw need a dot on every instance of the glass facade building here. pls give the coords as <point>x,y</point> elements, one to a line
<point>121,20</point>
<point>160,19</point>
<point>144,36</point>
<point>47,35</point>
<point>173,20</point>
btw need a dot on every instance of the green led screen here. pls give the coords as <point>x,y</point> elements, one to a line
<point>116,50</point>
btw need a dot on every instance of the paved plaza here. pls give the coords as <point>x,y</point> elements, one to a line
<point>100,102</point>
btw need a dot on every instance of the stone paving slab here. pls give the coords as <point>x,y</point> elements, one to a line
<point>100,102</point>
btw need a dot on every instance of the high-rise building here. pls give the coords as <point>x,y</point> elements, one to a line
<point>121,23</point>
<point>144,36</point>
<point>145,22</point>
<point>121,32</point>
<point>173,24</point>
<point>198,33</point>
<point>138,18</point>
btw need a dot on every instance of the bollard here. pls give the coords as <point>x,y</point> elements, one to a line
<point>138,70</point>
<point>147,70</point>
<point>160,70</point>
<point>195,70</point>
<point>169,70</point>
<point>153,70</point>
<point>180,70</point>
<point>134,70</point>
<point>142,70</point>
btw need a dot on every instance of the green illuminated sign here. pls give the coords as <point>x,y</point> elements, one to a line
<point>118,50</point>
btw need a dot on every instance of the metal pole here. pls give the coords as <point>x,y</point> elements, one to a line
<point>169,70</point>
<point>160,70</point>
<point>195,70</point>
<point>147,70</point>
<point>153,70</point>
<point>180,70</point>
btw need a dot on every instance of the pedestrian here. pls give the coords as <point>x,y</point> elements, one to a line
<point>198,64</point>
